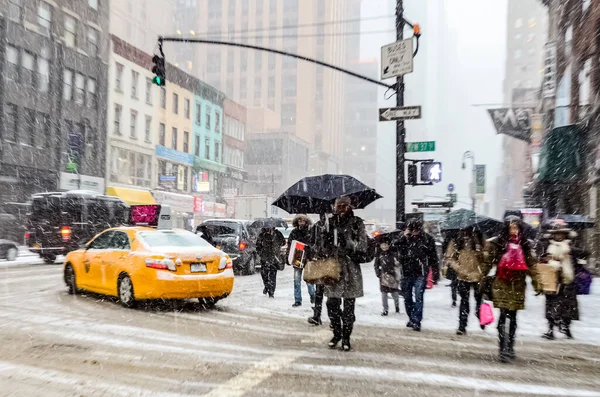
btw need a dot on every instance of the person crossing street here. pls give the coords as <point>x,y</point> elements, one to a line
<point>301,233</point>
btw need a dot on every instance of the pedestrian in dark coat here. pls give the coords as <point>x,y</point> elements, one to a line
<point>320,247</point>
<point>349,237</point>
<point>268,247</point>
<point>301,233</point>
<point>417,254</point>
<point>387,270</point>
<point>508,289</point>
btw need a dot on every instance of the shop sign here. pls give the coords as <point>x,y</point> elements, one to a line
<point>198,204</point>
<point>200,185</point>
<point>178,202</point>
<point>174,155</point>
<point>70,181</point>
<point>211,209</point>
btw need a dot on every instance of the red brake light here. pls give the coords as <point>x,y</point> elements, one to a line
<point>27,235</point>
<point>243,245</point>
<point>376,233</point>
<point>163,264</point>
<point>65,232</point>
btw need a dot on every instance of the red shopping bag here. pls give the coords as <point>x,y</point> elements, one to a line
<point>486,314</point>
<point>430,280</point>
<point>511,262</point>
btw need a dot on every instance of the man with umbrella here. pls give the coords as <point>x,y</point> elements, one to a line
<point>268,247</point>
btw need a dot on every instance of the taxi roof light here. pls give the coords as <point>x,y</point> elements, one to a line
<point>154,215</point>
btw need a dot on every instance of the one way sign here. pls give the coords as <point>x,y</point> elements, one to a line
<point>400,113</point>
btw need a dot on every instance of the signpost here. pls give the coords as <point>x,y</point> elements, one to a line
<point>397,58</point>
<point>426,146</point>
<point>400,113</point>
<point>453,197</point>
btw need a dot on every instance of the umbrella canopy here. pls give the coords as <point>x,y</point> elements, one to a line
<point>268,223</point>
<point>462,219</point>
<point>316,194</point>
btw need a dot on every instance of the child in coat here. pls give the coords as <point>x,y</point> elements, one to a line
<point>387,270</point>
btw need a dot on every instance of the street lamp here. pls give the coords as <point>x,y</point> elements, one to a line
<point>469,155</point>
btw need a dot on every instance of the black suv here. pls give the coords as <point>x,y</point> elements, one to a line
<point>233,237</point>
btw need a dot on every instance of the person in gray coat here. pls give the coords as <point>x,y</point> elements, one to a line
<point>348,235</point>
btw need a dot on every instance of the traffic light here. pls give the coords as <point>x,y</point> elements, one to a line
<point>431,172</point>
<point>412,174</point>
<point>159,70</point>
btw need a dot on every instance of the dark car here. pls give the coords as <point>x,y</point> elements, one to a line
<point>232,237</point>
<point>8,250</point>
<point>61,222</point>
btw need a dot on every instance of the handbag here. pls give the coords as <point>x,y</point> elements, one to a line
<point>389,281</point>
<point>325,271</point>
<point>486,314</point>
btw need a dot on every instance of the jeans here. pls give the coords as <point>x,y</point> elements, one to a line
<point>342,321</point>
<point>414,307</point>
<point>384,300</point>
<point>298,286</point>
<point>464,289</point>
<point>269,277</point>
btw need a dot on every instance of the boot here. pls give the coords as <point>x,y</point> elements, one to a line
<point>347,331</point>
<point>511,347</point>
<point>566,330</point>
<point>503,345</point>
<point>550,334</point>
<point>314,320</point>
<point>384,313</point>
<point>336,325</point>
<point>461,331</point>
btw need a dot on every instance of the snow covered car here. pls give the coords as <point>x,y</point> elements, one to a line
<point>143,263</point>
<point>8,250</point>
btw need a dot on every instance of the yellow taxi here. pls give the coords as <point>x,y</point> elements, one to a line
<point>150,261</point>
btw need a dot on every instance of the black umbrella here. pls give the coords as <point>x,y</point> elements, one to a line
<point>261,223</point>
<point>316,194</point>
<point>462,219</point>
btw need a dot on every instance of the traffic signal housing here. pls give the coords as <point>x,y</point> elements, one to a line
<point>431,172</point>
<point>159,70</point>
<point>412,174</point>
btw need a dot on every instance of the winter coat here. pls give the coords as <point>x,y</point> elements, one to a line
<point>268,247</point>
<point>509,294</point>
<point>387,266</point>
<point>418,255</point>
<point>301,235</point>
<point>467,262</point>
<point>562,305</point>
<point>351,241</point>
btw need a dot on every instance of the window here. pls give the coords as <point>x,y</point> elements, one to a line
<point>273,6</point>
<point>568,41</point>
<point>217,151</point>
<point>44,18</point>
<point>118,112</point>
<point>175,103</point>
<point>43,129</point>
<point>70,31</point>
<point>102,242</point>
<point>162,132</point>
<point>197,145</point>
<point>27,61</point>
<point>134,84</point>
<point>230,61</point>
<point>91,93</point>
<point>174,138</point>
<point>92,41</point>
<point>208,110</point>
<point>43,80</point>
<point>186,108</point>
<point>530,37</point>
<point>148,129</point>
<point>149,91</point>
<point>207,149</point>
<point>30,125</point>
<point>12,122</point>
<point>79,89</point>
<point>12,63</point>
<point>518,23</point>
<point>119,77</point>
<point>15,10</point>
<point>532,22</point>
<point>217,122</point>
<point>93,4</point>
<point>517,53</point>
<point>198,114</point>
<point>120,240</point>
<point>132,125</point>
<point>186,141</point>
<point>163,97</point>
<point>67,85</point>
<point>244,61</point>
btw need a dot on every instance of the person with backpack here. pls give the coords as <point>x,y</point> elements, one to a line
<point>511,254</point>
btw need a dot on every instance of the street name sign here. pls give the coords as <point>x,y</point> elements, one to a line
<point>427,146</point>
<point>397,59</point>
<point>400,113</point>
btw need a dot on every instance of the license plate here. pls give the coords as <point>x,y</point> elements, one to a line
<point>197,267</point>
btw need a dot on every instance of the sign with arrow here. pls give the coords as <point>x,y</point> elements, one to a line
<point>397,58</point>
<point>400,113</point>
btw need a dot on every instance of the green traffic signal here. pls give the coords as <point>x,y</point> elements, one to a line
<point>157,80</point>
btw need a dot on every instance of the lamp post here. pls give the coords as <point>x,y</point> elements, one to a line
<point>469,155</point>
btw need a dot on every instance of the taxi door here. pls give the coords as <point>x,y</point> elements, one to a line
<point>96,253</point>
<point>116,260</point>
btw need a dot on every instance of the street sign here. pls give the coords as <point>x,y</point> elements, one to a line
<point>427,146</point>
<point>400,113</point>
<point>451,187</point>
<point>397,59</point>
<point>453,197</point>
<point>480,178</point>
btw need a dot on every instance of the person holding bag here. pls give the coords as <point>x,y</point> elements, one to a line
<point>387,270</point>
<point>268,248</point>
<point>511,254</point>
<point>301,233</point>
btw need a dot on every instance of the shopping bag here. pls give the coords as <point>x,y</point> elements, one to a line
<point>486,314</point>
<point>430,280</point>
<point>512,261</point>
<point>326,271</point>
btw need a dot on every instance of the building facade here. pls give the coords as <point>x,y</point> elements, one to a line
<point>53,123</point>
<point>234,147</point>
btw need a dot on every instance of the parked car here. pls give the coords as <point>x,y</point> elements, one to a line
<point>9,250</point>
<point>233,237</point>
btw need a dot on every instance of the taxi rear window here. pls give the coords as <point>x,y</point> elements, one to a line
<point>173,239</point>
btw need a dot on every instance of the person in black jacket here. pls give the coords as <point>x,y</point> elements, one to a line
<point>317,244</point>
<point>387,270</point>
<point>268,247</point>
<point>203,231</point>
<point>417,255</point>
<point>301,233</point>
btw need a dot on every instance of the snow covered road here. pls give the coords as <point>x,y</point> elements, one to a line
<point>54,344</point>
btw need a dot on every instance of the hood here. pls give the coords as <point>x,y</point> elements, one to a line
<point>297,219</point>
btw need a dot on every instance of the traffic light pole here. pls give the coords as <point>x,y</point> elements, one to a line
<point>400,130</point>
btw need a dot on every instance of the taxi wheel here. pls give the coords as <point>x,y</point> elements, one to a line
<point>70,280</point>
<point>125,288</point>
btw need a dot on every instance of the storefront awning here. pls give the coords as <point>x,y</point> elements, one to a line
<point>200,163</point>
<point>131,196</point>
<point>562,156</point>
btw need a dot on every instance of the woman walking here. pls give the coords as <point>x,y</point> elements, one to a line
<point>387,270</point>
<point>465,256</point>
<point>511,253</point>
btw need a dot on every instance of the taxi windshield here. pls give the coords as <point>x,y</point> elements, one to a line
<point>172,239</point>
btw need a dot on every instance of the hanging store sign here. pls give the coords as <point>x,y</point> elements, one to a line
<point>514,122</point>
<point>480,178</point>
<point>549,86</point>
